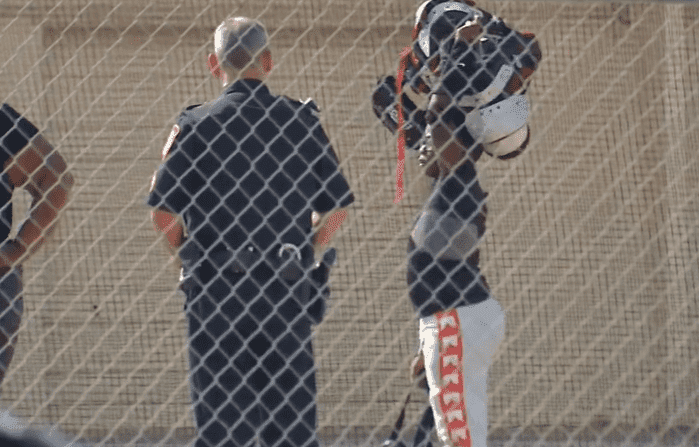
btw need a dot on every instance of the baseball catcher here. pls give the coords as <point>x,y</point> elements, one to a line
<point>460,91</point>
<point>464,57</point>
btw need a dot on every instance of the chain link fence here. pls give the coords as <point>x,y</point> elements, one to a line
<point>591,243</point>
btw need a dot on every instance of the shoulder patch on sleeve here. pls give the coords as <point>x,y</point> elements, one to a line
<point>310,105</point>
<point>308,102</point>
<point>174,133</point>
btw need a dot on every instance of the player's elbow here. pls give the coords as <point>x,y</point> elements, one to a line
<point>532,44</point>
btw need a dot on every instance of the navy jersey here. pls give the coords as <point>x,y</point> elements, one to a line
<point>246,171</point>
<point>15,133</point>
<point>443,250</point>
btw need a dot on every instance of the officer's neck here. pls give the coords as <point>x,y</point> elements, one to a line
<point>251,74</point>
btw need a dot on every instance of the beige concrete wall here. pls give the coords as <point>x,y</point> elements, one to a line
<point>591,232</point>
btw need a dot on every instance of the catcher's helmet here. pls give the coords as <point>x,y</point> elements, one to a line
<point>484,76</point>
<point>435,22</point>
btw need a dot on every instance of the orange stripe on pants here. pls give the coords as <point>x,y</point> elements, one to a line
<point>451,378</point>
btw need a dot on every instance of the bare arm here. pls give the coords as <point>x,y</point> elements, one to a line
<point>42,171</point>
<point>170,225</point>
<point>327,225</point>
<point>449,151</point>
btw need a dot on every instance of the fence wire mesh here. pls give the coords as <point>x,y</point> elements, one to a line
<point>591,243</point>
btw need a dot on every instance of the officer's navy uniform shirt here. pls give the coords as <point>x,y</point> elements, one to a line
<point>247,170</point>
<point>15,133</point>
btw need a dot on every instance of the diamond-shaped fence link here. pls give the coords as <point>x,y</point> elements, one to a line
<point>569,297</point>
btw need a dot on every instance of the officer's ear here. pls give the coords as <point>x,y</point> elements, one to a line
<point>215,67</point>
<point>266,59</point>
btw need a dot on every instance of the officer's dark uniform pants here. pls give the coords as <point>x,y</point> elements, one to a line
<point>251,362</point>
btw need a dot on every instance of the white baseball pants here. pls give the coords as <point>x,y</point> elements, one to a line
<point>459,346</point>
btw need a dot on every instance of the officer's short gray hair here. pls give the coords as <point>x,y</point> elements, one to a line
<point>239,41</point>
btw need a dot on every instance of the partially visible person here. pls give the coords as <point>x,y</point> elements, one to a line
<point>15,432</point>
<point>29,162</point>
<point>463,81</point>
<point>246,179</point>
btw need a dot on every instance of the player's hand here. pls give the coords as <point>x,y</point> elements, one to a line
<point>425,155</point>
<point>385,102</point>
<point>417,371</point>
<point>10,252</point>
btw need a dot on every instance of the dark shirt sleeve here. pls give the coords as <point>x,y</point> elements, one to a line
<point>169,190</point>
<point>334,191</point>
<point>16,131</point>
<point>523,49</point>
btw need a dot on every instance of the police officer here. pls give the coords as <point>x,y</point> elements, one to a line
<point>242,177</point>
